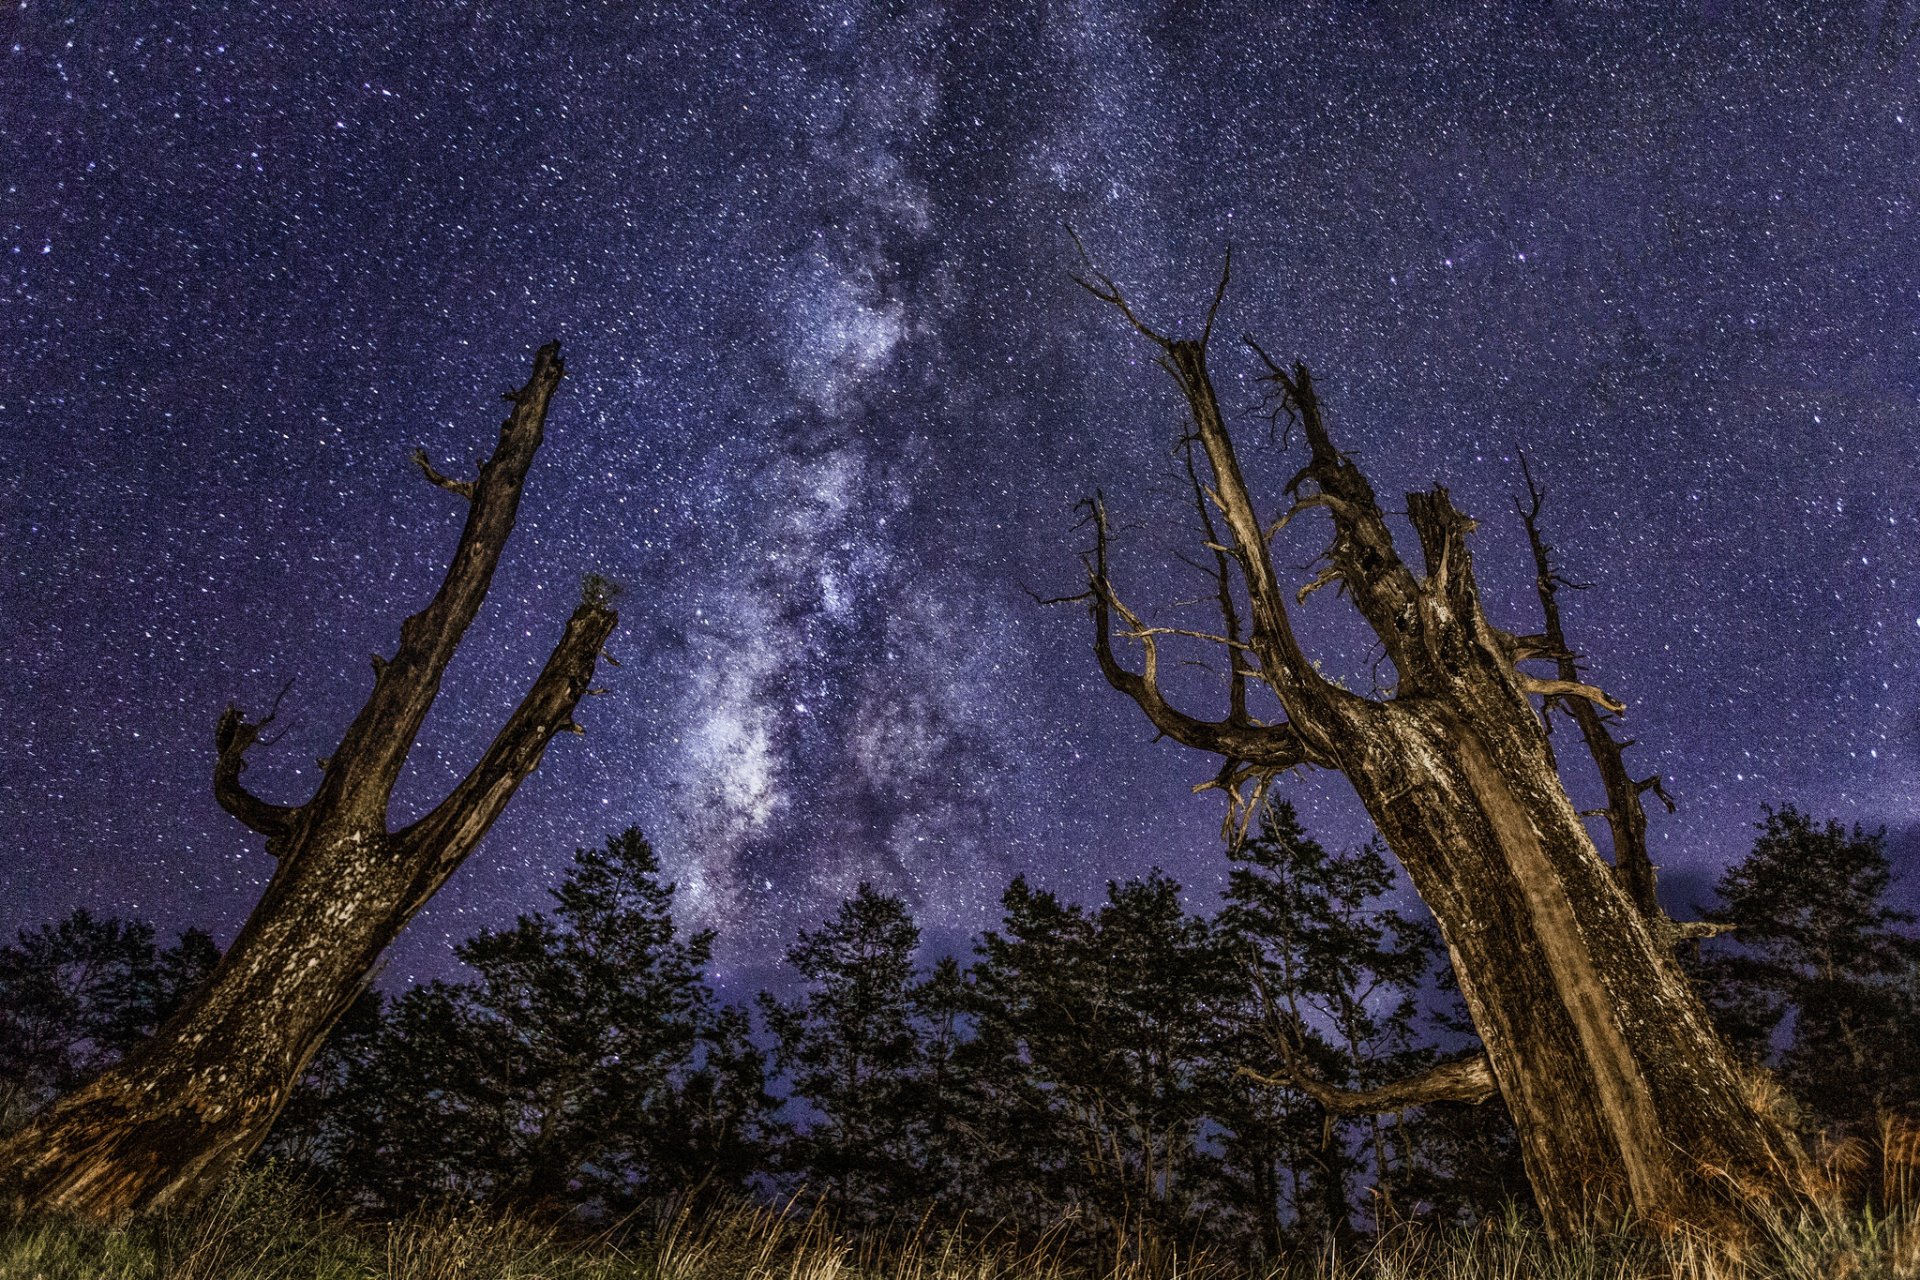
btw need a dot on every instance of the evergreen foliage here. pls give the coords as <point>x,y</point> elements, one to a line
<point>849,1049</point>
<point>1819,975</point>
<point>1080,1082</point>
<point>1092,1031</point>
<point>585,1065</point>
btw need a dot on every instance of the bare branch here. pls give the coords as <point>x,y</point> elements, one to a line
<point>233,737</point>
<point>1467,1079</point>
<point>1655,785</point>
<point>1528,647</point>
<point>1326,577</point>
<point>1626,815</point>
<point>1237,669</point>
<point>456,824</point>
<point>1363,554</point>
<point>1146,632</point>
<point>462,488</point>
<point>1103,287</point>
<point>1570,689</point>
<point>1679,931</point>
<point>1278,746</point>
<point>1219,292</point>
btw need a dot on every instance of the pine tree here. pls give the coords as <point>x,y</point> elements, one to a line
<point>1030,988</point>
<point>1092,1032</point>
<point>1334,980</point>
<point>1818,975</point>
<point>942,1099</point>
<point>585,1065</point>
<point>715,1132</point>
<point>849,1048</point>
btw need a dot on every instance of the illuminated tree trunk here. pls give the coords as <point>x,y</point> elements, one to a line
<point>199,1097</point>
<point>1629,1109</point>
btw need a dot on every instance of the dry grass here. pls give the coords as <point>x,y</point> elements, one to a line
<point>261,1228</point>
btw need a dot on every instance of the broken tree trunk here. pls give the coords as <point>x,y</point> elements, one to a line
<point>196,1099</point>
<point>1629,1109</point>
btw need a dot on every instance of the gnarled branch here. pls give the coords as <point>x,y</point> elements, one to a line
<point>1362,556</point>
<point>1283,665</point>
<point>461,488</point>
<point>1237,668</point>
<point>375,746</point>
<point>1570,689</point>
<point>1278,746</point>
<point>1528,647</point>
<point>1679,931</point>
<point>233,736</point>
<point>1626,815</point>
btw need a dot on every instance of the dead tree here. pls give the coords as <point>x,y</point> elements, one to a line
<point>199,1096</point>
<point>1628,1107</point>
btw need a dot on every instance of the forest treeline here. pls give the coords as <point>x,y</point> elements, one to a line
<point>1116,1071</point>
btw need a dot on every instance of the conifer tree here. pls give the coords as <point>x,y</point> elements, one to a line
<point>1093,1028</point>
<point>1029,989</point>
<point>943,1100</point>
<point>849,1047</point>
<point>1820,960</point>
<point>1335,978</point>
<point>585,1065</point>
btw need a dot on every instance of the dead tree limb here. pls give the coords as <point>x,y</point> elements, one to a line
<point>198,1097</point>
<point>1626,815</point>
<point>1469,1080</point>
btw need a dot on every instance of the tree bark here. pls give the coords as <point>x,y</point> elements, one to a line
<point>1629,1109</point>
<point>195,1100</point>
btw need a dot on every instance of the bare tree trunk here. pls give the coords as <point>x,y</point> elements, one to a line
<point>1629,1109</point>
<point>199,1097</point>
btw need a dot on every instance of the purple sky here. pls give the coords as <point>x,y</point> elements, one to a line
<point>832,398</point>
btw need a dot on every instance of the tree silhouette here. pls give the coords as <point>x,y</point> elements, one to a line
<point>76,995</point>
<point>849,1047</point>
<point>554,1079</point>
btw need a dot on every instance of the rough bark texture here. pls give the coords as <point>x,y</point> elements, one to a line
<point>1628,1107</point>
<point>1468,1079</point>
<point>200,1095</point>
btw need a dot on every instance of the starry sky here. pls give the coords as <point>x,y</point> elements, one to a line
<point>832,397</point>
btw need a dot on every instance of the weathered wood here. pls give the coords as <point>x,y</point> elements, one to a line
<point>1628,1107</point>
<point>1626,815</point>
<point>169,1121</point>
<point>1468,1079</point>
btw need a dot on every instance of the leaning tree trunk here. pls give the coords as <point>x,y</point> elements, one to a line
<point>1628,1107</point>
<point>199,1096</point>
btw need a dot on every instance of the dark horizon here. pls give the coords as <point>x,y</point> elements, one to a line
<point>832,397</point>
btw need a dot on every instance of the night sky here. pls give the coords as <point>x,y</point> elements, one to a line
<point>832,397</point>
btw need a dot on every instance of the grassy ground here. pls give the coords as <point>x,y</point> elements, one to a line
<point>260,1228</point>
